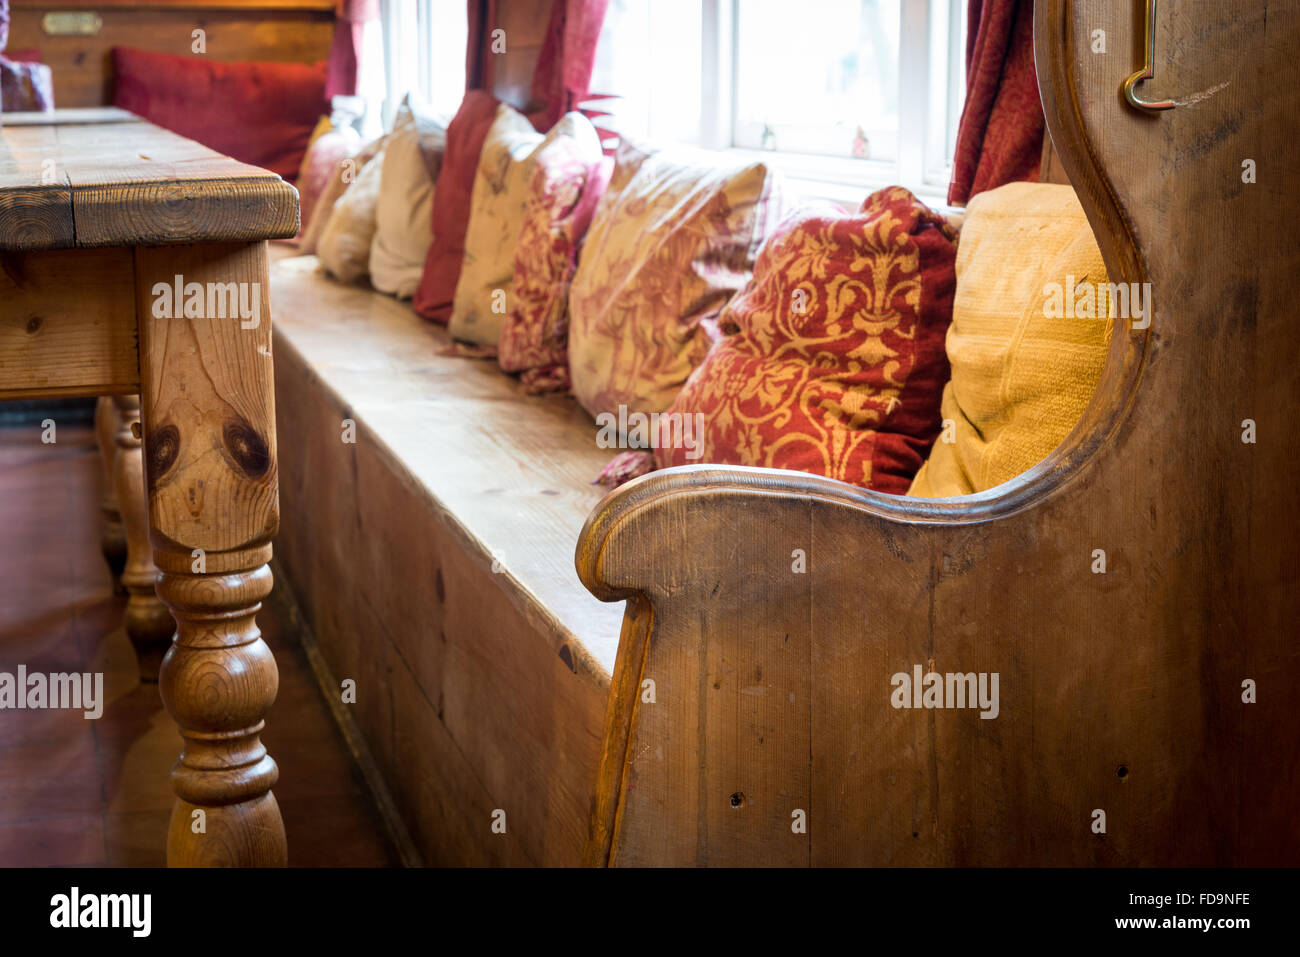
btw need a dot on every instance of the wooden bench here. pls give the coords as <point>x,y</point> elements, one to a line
<point>1145,712</point>
<point>432,559</point>
<point>1129,730</point>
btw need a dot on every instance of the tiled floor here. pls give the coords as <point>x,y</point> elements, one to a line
<point>79,792</point>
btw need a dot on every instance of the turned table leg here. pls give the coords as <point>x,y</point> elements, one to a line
<point>113,542</point>
<point>148,624</point>
<point>209,439</point>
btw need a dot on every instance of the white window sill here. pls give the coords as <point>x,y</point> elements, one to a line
<point>847,182</point>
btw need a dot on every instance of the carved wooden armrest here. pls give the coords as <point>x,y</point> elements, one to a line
<point>753,698</point>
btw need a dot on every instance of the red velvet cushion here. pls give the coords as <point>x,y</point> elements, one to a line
<point>837,363</point>
<point>258,113</point>
<point>451,201</point>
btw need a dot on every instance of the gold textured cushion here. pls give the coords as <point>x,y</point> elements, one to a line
<point>1022,374</point>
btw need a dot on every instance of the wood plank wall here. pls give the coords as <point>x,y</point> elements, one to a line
<point>295,31</point>
<point>525,23</point>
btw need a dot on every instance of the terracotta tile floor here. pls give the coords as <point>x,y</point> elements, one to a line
<point>78,792</point>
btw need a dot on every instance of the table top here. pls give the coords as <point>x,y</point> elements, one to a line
<point>104,177</point>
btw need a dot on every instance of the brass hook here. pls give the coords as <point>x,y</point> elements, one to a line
<point>1148,70</point>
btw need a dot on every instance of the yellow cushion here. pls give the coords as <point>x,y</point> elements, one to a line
<point>1022,373</point>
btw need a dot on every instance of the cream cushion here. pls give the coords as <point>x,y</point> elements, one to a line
<point>404,211</point>
<point>497,206</point>
<point>344,247</point>
<point>1021,376</point>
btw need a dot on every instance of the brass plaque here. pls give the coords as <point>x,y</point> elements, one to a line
<point>71,23</point>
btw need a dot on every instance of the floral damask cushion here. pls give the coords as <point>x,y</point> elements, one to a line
<point>569,176</point>
<point>836,361</point>
<point>496,214</point>
<point>26,85</point>
<point>338,177</point>
<point>673,239</point>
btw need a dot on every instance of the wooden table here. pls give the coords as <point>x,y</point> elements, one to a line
<point>133,261</point>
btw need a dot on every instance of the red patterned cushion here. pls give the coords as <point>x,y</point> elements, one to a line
<point>837,364</point>
<point>568,180</point>
<point>451,202</point>
<point>258,113</point>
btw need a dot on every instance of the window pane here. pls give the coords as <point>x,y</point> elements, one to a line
<point>819,76</point>
<point>649,55</point>
<point>444,38</point>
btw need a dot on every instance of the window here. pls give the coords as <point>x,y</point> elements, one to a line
<point>841,94</point>
<point>418,47</point>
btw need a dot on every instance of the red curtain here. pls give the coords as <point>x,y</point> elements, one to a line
<point>350,17</point>
<point>562,79</point>
<point>1000,137</point>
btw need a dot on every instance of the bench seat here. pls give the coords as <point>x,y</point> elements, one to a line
<point>432,559</point>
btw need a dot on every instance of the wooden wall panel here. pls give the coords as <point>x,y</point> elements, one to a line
<point>294,31</point>
<point>524,22</point>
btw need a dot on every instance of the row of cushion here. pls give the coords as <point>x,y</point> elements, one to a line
<point>849,385</point>
<point>815,340</point>
<point>367,209</point>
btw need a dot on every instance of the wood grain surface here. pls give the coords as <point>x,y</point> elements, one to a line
<point>67,323</point>
<point>208,418</point>
<point>130,183</point>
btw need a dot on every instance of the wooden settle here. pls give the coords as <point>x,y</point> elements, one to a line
<point>1125,692</point>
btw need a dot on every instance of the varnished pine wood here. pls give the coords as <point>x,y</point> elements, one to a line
<point>481,664</point>
<point>209,437</point>
<point>67,325</point>
<point>147,622</point>
<point>207,420</point>
<point>91,184</point>
<point>93,114</point>
<point>1119,691</point>
<point>113,539</point>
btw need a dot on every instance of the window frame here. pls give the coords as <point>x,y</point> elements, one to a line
<point>928,99</point>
